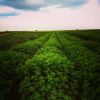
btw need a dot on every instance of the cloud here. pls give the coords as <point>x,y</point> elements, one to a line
<point>54,17</point>
<point>7,14</point>
<point>34,2</point>
<point>6,11</point>
<point>22,4</point>
<point>67,3</point>
<point>37,4</point>
<point>99,1</point>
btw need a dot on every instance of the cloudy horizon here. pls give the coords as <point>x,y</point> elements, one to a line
<point>49,14</point>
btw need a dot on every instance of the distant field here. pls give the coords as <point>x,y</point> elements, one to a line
<point>50,65</point>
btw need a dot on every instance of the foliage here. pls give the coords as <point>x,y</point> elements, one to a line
<point>9,39</point>
<point>46,74</point>
<point>58,65</point>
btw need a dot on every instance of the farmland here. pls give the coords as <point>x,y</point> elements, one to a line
<point>50,65</point>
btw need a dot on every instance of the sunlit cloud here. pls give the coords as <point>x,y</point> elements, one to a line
<point>37,4</point>
<point>6,11</point>
<point>34,2</point>
<point>54,17</point>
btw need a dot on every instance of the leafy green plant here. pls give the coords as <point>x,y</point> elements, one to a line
<point>46,74</point>
<point>86,63</point>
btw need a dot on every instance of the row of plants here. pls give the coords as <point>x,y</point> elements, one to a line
<point>46,74</point>
<point>12,61</point>
<point>56,66</point>
<point>93,35</point>
<point>93,46</point>
<point>89,38</point>
<point>14,38</point>
<point>30,47</point>
<point>84,76</point>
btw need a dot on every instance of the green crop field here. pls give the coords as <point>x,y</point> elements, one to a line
<point>50,65</point>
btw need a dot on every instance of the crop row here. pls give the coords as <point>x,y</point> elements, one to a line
<point>56,66</point>
<point>90,39</point>
<point>12,61</point>
<point>15,38</point>
<point>46,74</point>
<point>93,35</point>
<point>84,75</point>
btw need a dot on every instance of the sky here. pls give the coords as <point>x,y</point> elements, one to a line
<point>49,14</point>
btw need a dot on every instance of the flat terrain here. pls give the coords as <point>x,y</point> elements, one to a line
<point>50,65</point>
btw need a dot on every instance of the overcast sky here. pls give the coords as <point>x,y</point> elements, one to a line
<point>49,14</point>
